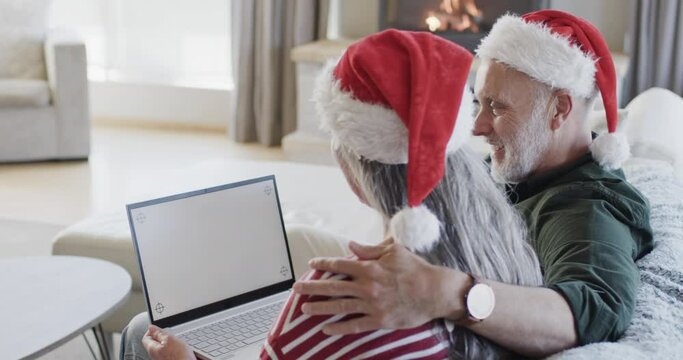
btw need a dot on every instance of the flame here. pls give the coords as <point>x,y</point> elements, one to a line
<point>433,23</point>
<point>458,15</point>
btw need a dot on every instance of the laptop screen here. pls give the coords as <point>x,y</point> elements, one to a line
<point>221,246</point>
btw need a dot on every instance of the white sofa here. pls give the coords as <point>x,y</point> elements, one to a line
<point>654,125</point>
<point>44,111</point>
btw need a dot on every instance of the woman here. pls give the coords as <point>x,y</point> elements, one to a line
<point>391,105</point>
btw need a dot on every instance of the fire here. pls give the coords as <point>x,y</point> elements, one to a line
<point>433,23</point>
<point>458,15</point>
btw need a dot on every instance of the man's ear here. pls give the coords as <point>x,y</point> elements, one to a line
<point>561,108</point>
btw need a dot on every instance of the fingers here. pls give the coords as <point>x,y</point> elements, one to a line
<point>327,288</point>
<point>154,330</point>
<point>387,241</point>
<point>369,252</point>
<point>350,267</point>
<point>150,341</point>
<point>158,334</point>
<point>161,345</point>
<point>335,307</point>
<point>354,326</point>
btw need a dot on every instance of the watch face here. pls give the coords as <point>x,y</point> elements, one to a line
<point>480,301</point>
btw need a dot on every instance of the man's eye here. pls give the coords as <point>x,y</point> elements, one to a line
<point>494,109</point>
<point>476,106</point>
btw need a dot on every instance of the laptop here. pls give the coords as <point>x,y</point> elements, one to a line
<point>215,265</point>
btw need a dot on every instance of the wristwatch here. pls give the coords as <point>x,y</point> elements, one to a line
<point>479,302</point>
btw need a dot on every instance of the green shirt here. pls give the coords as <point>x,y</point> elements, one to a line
<point>588,227</point>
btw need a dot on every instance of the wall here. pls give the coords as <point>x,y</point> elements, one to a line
<point>160,105</point>
<point>611,17</point>
<point>154,61</point>
<point>358,18</point>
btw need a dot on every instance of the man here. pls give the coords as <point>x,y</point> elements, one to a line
<point>539,77</point>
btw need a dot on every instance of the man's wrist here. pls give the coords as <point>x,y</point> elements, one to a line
<point>451,288</point>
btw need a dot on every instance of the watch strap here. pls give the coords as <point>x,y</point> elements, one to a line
<point>468,319</point>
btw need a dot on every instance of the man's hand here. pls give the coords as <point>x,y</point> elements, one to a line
<point>162,345</point>
<point>392,287</point>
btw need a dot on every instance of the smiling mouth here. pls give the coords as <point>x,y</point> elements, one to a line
<point>497,147</point>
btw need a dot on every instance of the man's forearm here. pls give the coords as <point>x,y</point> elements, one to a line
<point>528,320</point>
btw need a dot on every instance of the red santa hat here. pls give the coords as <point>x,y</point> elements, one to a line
<point>394,97</point>
<point>565,52</point>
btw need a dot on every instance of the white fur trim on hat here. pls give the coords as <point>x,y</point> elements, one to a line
<point>370,130</point>
<point>610,150</point>
<point>374,131</point>
<point>464,123</point>
<point>416,228</point>
<point>546,56</point>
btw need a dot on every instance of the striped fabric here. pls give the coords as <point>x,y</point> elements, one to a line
<point>298,336</point>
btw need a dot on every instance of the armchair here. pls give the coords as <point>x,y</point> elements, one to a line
<point>47,118</point>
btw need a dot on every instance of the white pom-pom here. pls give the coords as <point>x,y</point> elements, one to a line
<point>416,228</point>
<point>610,150</point>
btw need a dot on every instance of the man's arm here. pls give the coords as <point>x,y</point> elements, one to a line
<point>401,290</point>
<point>531,321</point>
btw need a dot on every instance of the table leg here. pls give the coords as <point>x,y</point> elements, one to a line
<point>109,340</point>
<point>92,352</point>
<point>101,342</point>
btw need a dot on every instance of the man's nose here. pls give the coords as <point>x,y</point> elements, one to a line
<point>482,125</point>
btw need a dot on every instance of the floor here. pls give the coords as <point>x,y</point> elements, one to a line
<point>39,199</point>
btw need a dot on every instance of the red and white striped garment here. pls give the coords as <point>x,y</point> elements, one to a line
<point>298,336</point>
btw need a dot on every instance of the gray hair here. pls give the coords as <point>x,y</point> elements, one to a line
<point>543,92</point>
<point>481,232</point>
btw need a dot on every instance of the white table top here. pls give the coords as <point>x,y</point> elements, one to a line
<point>47,300</point>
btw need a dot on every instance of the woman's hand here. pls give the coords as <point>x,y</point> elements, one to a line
<point>162,345</point>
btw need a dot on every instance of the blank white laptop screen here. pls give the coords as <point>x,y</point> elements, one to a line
<point>215,244</point>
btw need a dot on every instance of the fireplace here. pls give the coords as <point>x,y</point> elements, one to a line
<point>464,22</point>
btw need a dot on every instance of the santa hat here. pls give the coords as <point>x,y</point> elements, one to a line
<point>394,97</point>
<point>565,52</point>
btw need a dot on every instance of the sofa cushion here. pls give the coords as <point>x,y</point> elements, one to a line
<point>22,34</point>
<point>654,125</point>
<point>24,93</point>
<point>105,237</point>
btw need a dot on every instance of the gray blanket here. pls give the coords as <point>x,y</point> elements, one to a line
<point>656,331</point>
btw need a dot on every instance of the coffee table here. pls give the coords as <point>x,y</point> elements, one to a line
<point>46,301</point>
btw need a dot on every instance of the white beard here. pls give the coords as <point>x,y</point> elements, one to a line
<point>523,150</point>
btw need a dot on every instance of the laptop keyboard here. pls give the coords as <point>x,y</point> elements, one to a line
<point>233,333</point>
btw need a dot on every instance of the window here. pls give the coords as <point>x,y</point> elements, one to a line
<point>163,42</point>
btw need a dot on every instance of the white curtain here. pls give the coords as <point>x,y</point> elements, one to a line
<point>172,43</point>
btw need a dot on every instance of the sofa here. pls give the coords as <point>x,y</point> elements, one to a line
<point>44,111</point>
